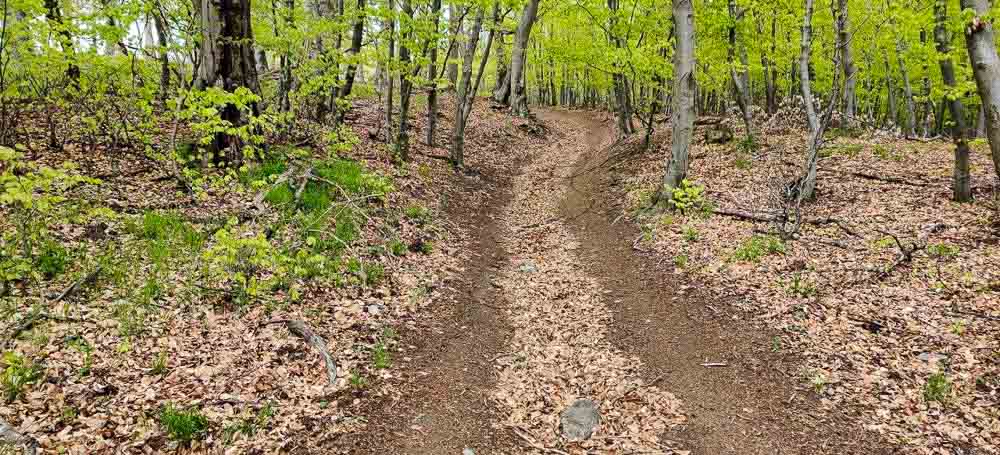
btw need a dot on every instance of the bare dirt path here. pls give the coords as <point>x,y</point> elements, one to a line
<point>755,404</point>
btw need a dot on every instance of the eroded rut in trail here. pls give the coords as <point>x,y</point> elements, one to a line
<point>555,306</point>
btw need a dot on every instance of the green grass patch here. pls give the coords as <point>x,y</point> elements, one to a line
<point>183,425</point>
<point>758,246</point>
<point>18,372</point>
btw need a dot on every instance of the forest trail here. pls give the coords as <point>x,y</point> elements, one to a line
<point>555,306</point>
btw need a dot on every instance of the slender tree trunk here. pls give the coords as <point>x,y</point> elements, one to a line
<point>464,83</point>
<point>911,105</point>
<point>741,78</point>
<point>455,19</point>
<point>962,180</point>
<point>405,87</point>
<point>519,100</point>
<point>927,116</point>
<point>432,108</point>
<point>285,84</point>
<point>684,94</point>
<point>890,88</point>
<point>390,28</point>
<point>357,35</point>
<point>54,15</point>
<point>980,41</point>
<point>847,57</point>
<point>162,34</point>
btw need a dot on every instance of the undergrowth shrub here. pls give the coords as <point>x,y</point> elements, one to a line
<point>183,425</point>
<point>18,373</point>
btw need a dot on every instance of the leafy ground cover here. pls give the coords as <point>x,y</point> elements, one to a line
<point>136,315</point>
<point>888,290</point>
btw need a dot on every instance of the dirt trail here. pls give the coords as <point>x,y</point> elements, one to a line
<point>555,306</point>
<point>753,405</point>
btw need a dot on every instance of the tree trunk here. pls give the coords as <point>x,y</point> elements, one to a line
<point>980,41</point>
<point>927,116</point>
<point>285,83</point>
<point>683,99</point>
<point>466,94</point>
<point>891,92</point>
<point>847,57</point>
<point>770,70</point>
<point>519,99</point>
<point>455,30</point>
<point>405,86</point>
<point>227,58</point>
<point>741,78</point>
<point>390,27</point>
<point>357,35</point>
<point>54,15</point>
<point>502,67</point>
<point>162,34</point>
<point>432,107</point>
<point>962,182</point>
<point>911,106</point>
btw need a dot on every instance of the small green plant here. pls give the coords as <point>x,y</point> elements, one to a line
<point>183,425</point>
<point>81,345</point>
<point>18,373</point>
<point>938,388</point>
<point>758,246</point>
<point>249,425</point>
<point>884,242</point>
<point>743,163</point>
<point>159,366</point>
<point>131,318</point>
<point>943,250</point>
<point>417,214</point>
<point>358,382</point>
<point>776,344</point>
<point>800,286</point>
<point>688,197</point>
<point>747,145</point>
<point>681,260</point>
<point>52,260</point>
<point>957,328</point>
<point>397,247</point>
<point>380,355</point>
<point>818,382</point>
<point>690,233</point>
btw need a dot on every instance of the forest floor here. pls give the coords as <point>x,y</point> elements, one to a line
<point>469,310</point>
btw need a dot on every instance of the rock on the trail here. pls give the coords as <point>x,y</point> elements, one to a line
<point>375,309</point>
<point>529,267</point>
<point>579,420</point>
<point>468,451</point>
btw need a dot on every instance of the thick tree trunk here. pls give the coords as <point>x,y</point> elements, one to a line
<point>432,108</point>
<point>227,58</point>
<point>466,92</point>
<point>962,182</point>
<point>54,15</point>
<point>683,102</point>
<point>519,99</point>
<point>285,82</point>
<point>979,39</point>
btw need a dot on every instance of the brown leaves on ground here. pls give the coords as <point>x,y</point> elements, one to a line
<point>894,303</point>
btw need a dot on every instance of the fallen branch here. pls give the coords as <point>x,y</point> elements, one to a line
<point>715,364</point>
<point>87,279</point>
<point>302,186</point>
<point>302,330</point>
<point>886,179</point>
<point>258,201</point>
<point>743,215</point>
<point>11,436</point>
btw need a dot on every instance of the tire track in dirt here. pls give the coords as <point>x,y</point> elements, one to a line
<point>446,406</point>
<point>752,406</point>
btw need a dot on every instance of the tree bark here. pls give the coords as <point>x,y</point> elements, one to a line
<point>162,34</point>
<point>390,27</point>
<point>519,99</point>
<point>227,59</point>
<point>741,78</point>
<point>455,20</point>
<point>911,106</point>
<point>466,94</point>
<point>683,99</point>
<point>847,58</point>
<point>405,88</point>
<point>891,92</point>
<point>432,108</point>
<point>979,39</point>
<point>54,15</point>
<point>357,35</point>
<point>961,184</point>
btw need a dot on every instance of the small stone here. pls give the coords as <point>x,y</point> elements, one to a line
<point>468,451</point>
<point>579,420</point>
<point>375,309</point>
<point>529,267</point>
